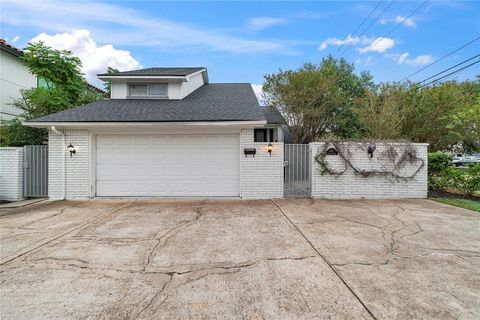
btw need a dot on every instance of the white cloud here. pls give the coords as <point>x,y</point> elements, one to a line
<point>257,88</point>
<point>260,23</point>
<point>112,23</point>
<point>349,40</point>
<point>95,59</point>
<point>402,58</point>
<point>16,39</point>
<point>423,59</point>
<point>407,22</point>
<point>378,45</point>
<point>373,44</point>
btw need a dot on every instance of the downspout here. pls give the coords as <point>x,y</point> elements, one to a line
<point>63,159</point>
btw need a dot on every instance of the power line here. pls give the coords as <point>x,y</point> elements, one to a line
<point>469,59</point>
<point>445,56</point>
<point>381,13</point>
<point>453,72</point>
<point>378,40</point>
<point>364,20</point>
<point>368,27</point>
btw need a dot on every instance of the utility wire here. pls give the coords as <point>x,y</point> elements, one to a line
<point>368,27</point>
<point>447,75</point>
<point>469,59</point>
<point>364,20</point>
<point>438,60</point>
<point>399,24</point>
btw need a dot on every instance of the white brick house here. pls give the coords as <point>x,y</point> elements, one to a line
<point>166,132</point>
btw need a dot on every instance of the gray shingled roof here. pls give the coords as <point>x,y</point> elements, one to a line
<point>156,72</point>
<point>211,102</point>
<point>272,115</point>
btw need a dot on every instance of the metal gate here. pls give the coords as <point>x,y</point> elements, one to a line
<point>297,170</point>
<point>35,171</point>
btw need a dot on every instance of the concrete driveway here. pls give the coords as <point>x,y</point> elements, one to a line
<point>238,259</point>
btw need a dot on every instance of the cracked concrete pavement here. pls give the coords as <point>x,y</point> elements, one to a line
<point>239,259</point>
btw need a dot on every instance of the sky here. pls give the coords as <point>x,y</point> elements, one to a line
<point>243,41</point>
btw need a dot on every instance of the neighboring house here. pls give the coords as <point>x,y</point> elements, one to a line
<point>166,132</point>
<point>14,76</point>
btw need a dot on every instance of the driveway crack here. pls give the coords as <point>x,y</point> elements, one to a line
<point>326,261</point>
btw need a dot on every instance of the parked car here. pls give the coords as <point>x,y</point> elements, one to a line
<point>460,161</point>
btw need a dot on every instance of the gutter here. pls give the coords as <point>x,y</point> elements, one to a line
<point>63,159</point>
<point>158,124</point>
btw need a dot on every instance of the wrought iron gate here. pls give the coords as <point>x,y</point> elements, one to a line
<point>297,170</point>
<point>35,171</point>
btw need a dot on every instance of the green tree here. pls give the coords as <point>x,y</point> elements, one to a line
<point>464,127</point>
<point>65,88</point>
<point>380,113</point>
<point>445,115</point>
<point>107,84</point>
<point>317,100</point>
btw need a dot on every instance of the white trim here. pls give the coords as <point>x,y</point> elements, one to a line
<point>64,169</point>
<point>143,124</point>
<point>205,75</point>
<point>180,78</point>
<point>92,141</point>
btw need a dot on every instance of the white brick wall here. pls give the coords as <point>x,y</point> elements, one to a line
<point>260,176</point>
<point>11,174</point>
<point>77,167</point>
<point>352,186</point>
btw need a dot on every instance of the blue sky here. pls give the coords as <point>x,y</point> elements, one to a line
<point>242,41</point>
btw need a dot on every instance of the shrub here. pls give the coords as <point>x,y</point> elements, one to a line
<point>438,162</point>
<point>465,180</point>
<point>469,180</point>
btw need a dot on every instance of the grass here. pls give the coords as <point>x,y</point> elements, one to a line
<point>462,203</point>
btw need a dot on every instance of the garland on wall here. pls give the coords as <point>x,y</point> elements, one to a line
<point>390,169</point>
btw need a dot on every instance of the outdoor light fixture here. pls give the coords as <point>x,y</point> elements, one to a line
<point>269,149</point>
<point>71,149</point>
<point>372,147</point>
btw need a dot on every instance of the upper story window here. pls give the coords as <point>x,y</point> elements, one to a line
<point>150,90</point>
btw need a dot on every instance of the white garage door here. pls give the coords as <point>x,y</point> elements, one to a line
<point>168,165</point>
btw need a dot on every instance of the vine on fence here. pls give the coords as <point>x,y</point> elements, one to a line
<point>390,169</point>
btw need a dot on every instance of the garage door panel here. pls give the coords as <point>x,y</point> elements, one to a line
<point>168,165</point>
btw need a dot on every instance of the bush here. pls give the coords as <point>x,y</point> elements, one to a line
<point>438,162</point>
<point>469,180</point>
<point>465,180</point>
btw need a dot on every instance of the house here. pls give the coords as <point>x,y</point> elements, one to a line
<point>166,132</point>
<point>14,76</point>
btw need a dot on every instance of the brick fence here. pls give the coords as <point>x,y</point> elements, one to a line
<point>11,173</point>
<point>353,185</point>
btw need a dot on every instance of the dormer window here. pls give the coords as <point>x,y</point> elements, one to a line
<point>148,90</point>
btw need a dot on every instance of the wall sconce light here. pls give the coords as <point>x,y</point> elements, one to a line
<point>269,149</point>
<point>371,148</point>
<point>71,149</point>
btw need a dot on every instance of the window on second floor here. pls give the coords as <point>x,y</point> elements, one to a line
<point>265,135</point>
<point>154,90</point>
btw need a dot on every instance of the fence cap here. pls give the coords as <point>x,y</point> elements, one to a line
<point>11,148</point>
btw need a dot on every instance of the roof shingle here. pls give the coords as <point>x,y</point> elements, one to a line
<point>211,102</point>
<point>182,72</point>
<point>272,115</point>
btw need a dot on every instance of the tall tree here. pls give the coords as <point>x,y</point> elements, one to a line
<point>317,100</point>
<point>64,87</point>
